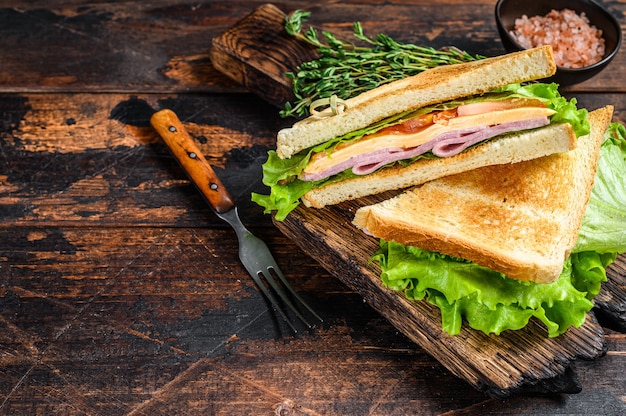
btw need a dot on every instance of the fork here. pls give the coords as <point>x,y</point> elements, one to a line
<point>253,252</point>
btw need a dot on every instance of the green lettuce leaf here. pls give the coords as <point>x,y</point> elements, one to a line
<point>285,191</point>
<point>280,175</point>
<point>487,300</point>
<point>604,224</point>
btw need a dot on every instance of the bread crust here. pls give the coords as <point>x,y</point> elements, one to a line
<point>519,219</point>
<point>436,85</point>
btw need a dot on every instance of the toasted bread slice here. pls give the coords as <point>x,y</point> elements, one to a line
<point>513,148</point>
<point>519,219</point>
<point>434,86</point>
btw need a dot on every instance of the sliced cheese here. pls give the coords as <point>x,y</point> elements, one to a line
<point>322,161</point>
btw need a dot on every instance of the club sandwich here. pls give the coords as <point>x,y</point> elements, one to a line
<point>447,120</point>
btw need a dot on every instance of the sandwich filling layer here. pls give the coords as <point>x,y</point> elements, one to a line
<point>445,133</point>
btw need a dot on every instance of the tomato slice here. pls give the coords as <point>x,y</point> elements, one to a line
<point>415,124</point>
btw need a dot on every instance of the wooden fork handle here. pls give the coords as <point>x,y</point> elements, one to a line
<point>187,153</point>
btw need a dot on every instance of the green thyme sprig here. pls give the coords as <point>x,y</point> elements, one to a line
<point>346,69</point>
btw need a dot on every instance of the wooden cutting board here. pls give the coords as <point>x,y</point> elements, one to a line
<point>515,361</point>
<point>498,365</point>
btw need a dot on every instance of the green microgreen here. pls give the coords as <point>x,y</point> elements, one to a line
<point>346,69</point>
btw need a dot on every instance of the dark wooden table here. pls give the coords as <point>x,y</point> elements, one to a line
<point>122,293</point>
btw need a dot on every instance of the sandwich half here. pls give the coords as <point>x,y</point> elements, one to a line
<point>519,219</point>
<point>443,121</point>
<point>514,222</point>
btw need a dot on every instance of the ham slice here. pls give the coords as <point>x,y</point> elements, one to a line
<point>445,145</point>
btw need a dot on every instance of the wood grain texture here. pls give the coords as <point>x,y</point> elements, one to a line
<point>257,52</point>
<point>121,292</point>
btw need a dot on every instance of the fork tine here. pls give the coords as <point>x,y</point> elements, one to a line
<point>272,299</point>
<point>258,260</point>
<point>286,284</point>
<point>270,279</point>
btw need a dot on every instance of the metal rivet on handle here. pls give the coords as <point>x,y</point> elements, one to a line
<point>172,129</point>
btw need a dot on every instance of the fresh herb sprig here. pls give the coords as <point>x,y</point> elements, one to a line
<point>346,69</point>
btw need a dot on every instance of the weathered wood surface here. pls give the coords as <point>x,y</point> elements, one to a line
<point>257,52</point>
<point>121,293</point>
